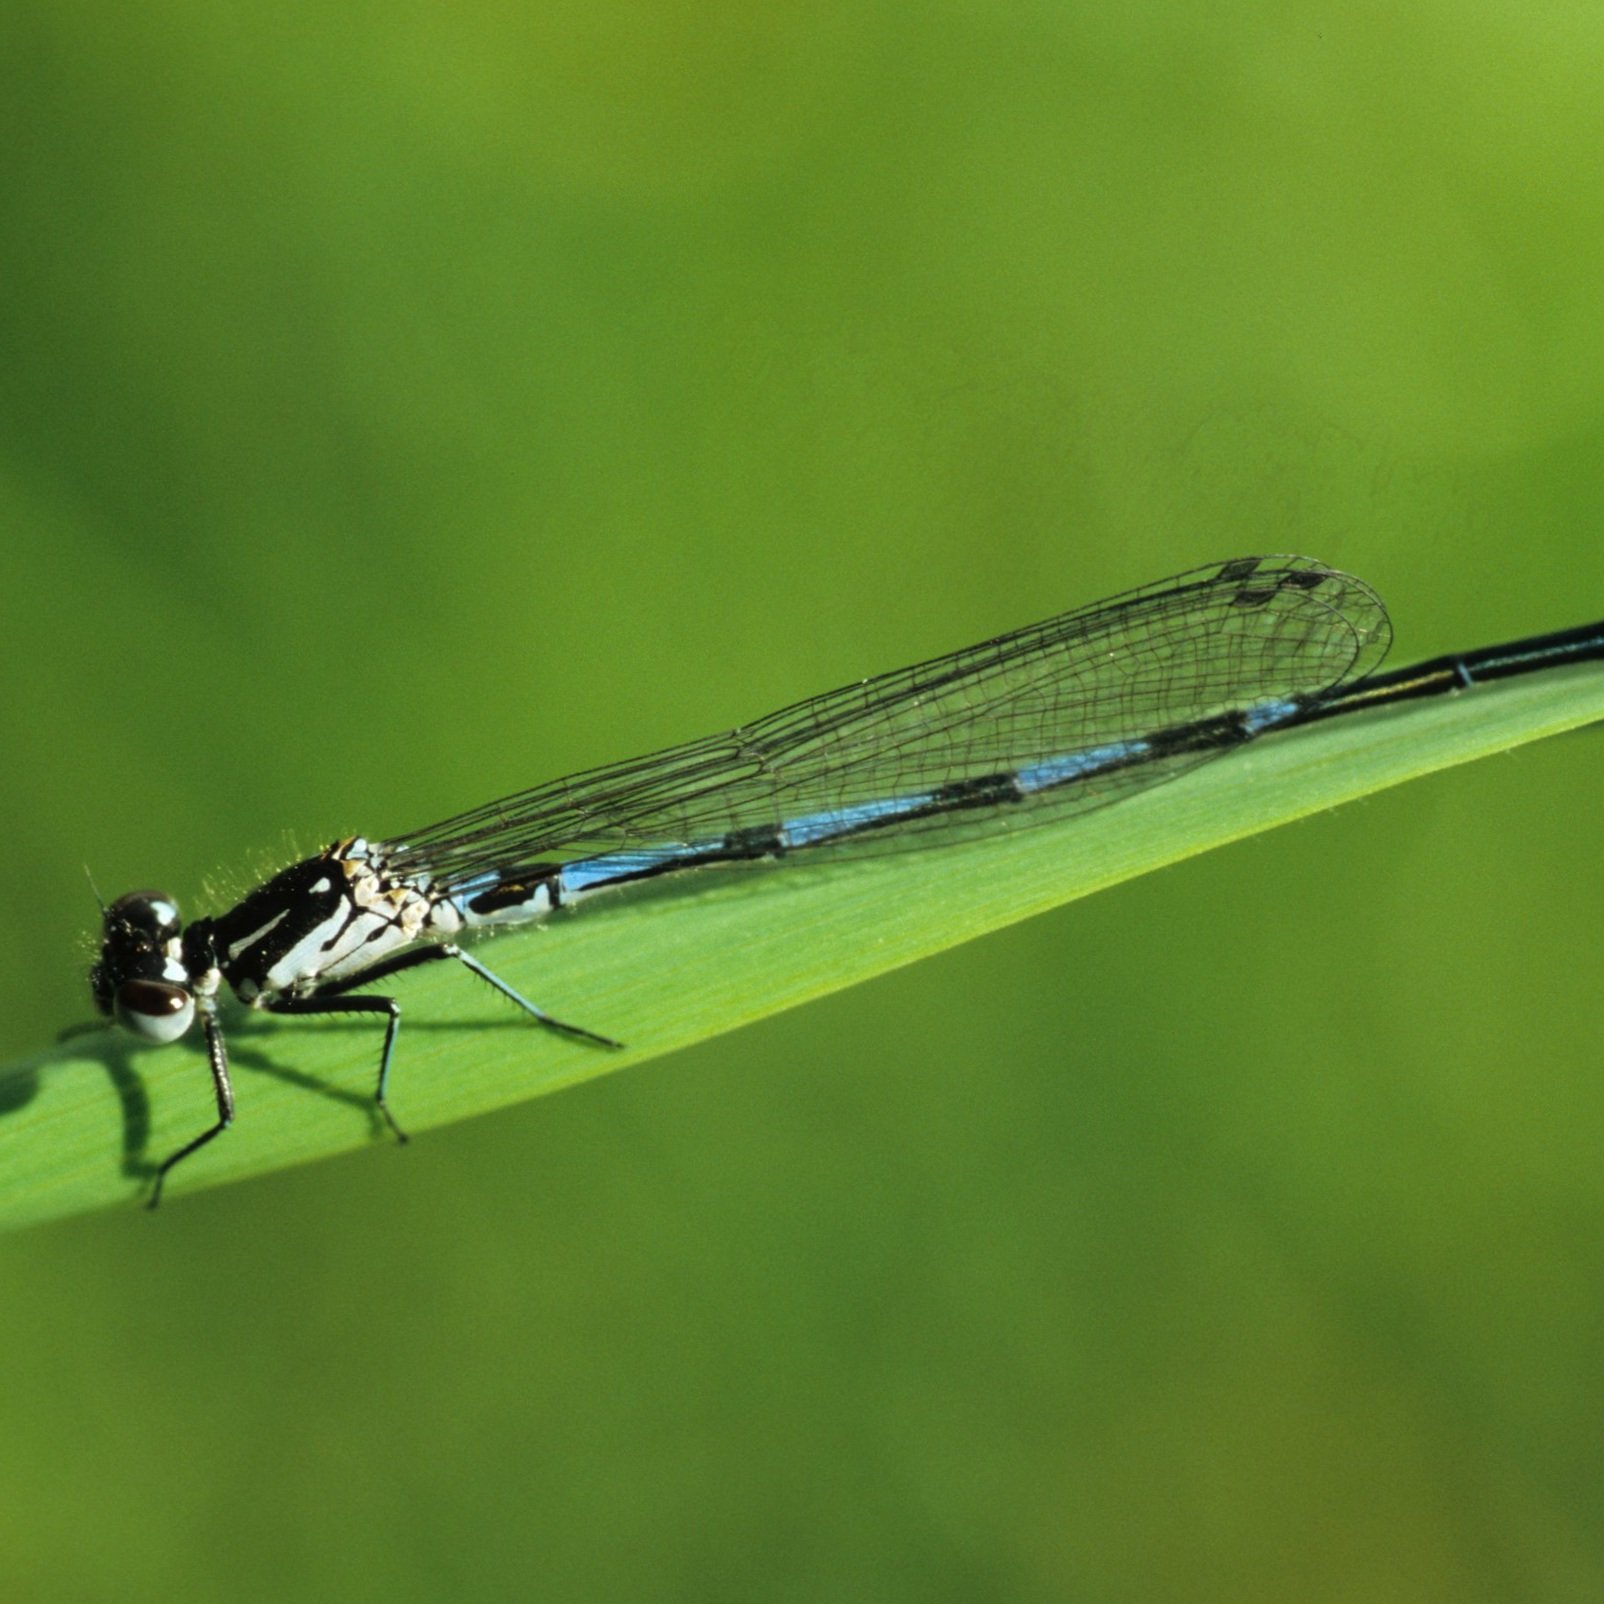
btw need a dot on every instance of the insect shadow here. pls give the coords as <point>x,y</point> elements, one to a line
<point>253,1044</point>
<point>248,1039</point>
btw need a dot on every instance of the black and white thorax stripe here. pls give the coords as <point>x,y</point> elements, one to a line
<point>324,919</point>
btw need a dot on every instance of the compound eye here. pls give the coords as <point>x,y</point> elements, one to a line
<point>152,913</point>
<point>155,1009</point>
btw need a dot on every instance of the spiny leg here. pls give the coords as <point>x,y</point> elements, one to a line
<point>539,1015</point>
<point>334,998</point>
<point>425,955</point>
<point>222,1087</point>
<point>322,1003</point>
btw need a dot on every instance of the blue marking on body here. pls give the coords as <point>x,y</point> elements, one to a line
<point>588,873</point>
<point>1266,715</point>
<point>1077,765</point>
<point>815,827</point>
<point>487,881</point>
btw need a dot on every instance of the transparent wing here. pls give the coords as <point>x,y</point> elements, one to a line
<point>1184,650</point>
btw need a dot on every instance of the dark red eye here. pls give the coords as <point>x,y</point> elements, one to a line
<point>155,1009</point>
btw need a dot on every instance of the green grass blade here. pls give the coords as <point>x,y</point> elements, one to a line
<point>81,1124</point>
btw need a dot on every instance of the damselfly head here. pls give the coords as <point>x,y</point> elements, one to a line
<point>140,978</point>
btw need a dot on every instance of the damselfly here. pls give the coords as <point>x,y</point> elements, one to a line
<point>1058,718</point>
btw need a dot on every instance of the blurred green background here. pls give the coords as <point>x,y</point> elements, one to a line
<point>400,404</point>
